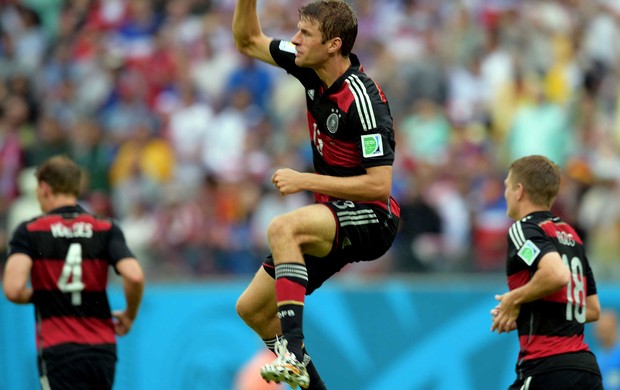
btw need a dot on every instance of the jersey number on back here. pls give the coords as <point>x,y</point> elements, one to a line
<point>575,291</point>
<point>72,270</point>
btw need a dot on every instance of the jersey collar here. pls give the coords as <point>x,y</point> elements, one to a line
<point>68,209</point>
<point>543,214</point>
<point>355,67</point>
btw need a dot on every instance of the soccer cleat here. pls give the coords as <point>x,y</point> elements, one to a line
<point>286,368</point>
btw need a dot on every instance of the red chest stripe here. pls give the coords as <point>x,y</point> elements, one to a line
<point>343,99</point>
<point>534,347</point>
<point>44,224</point>
<point>561,231</point>
<point>60,330</point>
<point>45,274</point>
<point>518,279</point>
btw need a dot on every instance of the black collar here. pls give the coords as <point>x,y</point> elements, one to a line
<point>355,67</point>
<point>72,209</point>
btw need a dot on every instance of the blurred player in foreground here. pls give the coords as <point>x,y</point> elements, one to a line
<point>66,253</point>
<point>354,217</point>
<point>552,288</point>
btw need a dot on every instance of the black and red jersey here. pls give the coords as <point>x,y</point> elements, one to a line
<point>350,123</point>
<point>71,252</point>
<point>551,329</point>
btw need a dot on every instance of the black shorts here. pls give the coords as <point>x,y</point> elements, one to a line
<point>364,232</point>
<point>86,371</point>
<point>560,380</point>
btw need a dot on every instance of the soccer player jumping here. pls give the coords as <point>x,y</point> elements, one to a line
<point>354,217</point>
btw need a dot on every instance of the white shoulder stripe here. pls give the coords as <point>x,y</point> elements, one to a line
<point>516,234</point>
<point>362,100</point>
<point>366,98</point>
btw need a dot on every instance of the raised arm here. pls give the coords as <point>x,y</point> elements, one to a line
<point>248,35</point>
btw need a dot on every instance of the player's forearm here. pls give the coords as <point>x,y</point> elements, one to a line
<point>543,283</point>
<point>593,308</point>
<point>133,297</point>
<point>15,280</point>
<point>133,283</point>
<point>245,26</point>
<point>20,296</point>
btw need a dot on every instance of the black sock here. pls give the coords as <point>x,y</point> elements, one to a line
<point>316,383</point>
<point>291,282</point>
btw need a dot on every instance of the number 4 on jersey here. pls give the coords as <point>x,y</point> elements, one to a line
<point>72,269</point>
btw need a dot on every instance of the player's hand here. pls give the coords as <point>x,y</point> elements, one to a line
<point>287,181</point>
<point>504,315</point>
<point>122,322</point>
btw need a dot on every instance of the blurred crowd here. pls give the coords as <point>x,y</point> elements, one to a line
<point>179,134</point>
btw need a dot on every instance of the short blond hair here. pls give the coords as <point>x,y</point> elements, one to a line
<point>539,176</point>
<point>335,18</point>
<point>62,174</point>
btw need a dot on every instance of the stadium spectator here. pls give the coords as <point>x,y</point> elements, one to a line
<point>26,205</point>
<point>224,141</point>
<point>32,42</point>
<point>599,211</point>
<point>189,124</point>
<point>608,352</point>
<point>93,153</point>
<point>542,127</point>
<point>552,290</point>
<point>65,253</point>
<point>51,140</point>
<point>253,77</point>
<point>355,217</point>
<point>142,164</point>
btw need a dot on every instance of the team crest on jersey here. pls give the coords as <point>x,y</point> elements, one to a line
<point>333,120</point>
<point>528,252</point>
<point>372,145</point>
<point>311,94</point>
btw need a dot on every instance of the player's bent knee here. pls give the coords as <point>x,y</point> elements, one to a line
<point>248,313</point>
<point>242,308</point>
<point>253,319</point>
<point>278,228</point>
<point>278,225</point>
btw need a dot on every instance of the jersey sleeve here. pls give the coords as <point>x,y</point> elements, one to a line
<point>527,244</point>
<point>117,246</point>
<point>370,113</point>
<point>283,53</point>
<point>590,281</point>
<point>20,242</point>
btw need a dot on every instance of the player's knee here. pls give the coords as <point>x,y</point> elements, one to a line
<point>279,228</point>
<point>242,309</point>
<point>246,313</point>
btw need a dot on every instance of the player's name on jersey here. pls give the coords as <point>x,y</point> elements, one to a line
<point>566,239</point>
<point>77,229</point>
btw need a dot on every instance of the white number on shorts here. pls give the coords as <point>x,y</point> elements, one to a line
<point>344,204</point>
<point>575,291</point>
<point>72,269</point>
